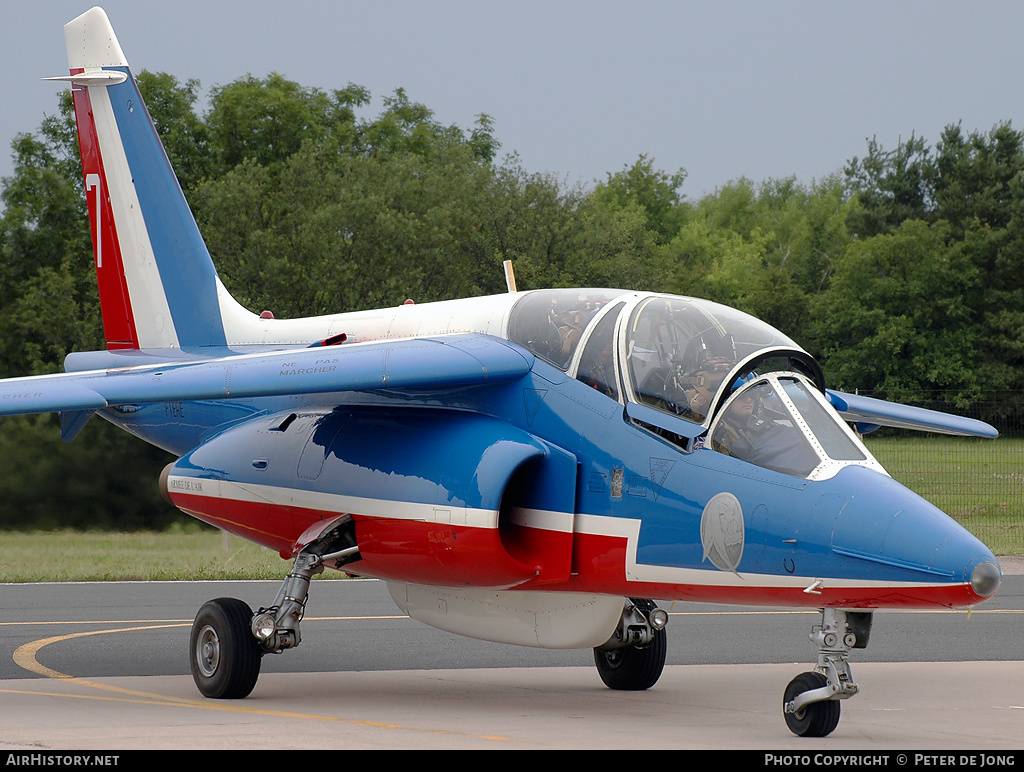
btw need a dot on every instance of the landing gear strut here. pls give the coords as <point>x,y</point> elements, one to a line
<point>228,641</point>
<point>633,658</point>
<point>810,704</point>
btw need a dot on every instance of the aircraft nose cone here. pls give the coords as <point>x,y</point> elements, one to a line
<point>986,578</point>
<point>909,539</point>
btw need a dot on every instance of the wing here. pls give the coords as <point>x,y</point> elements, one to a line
<point>869,413</point>
<point>439,362</point>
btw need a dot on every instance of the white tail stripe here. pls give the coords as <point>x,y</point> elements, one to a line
<point>157,331</point>
<point>92,183</point>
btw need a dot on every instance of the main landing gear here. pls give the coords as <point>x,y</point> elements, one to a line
<point>810,704</point>
<point>633,658</point>
<point>228,641</point>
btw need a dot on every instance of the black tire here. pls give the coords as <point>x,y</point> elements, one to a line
<point>633,668</point>
<point>817,719</point>
<point>223,654</point>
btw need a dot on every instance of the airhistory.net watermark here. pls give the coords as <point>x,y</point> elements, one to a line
<point>61,760</point>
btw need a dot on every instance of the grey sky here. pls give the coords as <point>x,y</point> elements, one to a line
<point>582,87</point>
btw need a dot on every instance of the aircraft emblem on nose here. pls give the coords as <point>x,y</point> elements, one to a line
<point>721,531</point>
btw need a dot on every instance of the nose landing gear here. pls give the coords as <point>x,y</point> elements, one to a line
<point>810,703</point>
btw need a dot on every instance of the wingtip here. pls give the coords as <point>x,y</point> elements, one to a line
<point>856,408</point>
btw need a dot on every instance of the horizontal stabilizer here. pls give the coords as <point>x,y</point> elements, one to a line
<point>869,413</point>
<point>95,78</point>
<point>442,362</point>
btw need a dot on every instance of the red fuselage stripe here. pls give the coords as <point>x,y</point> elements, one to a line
<point>421,552</point>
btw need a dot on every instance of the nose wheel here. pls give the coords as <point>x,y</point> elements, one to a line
<point>810,703</point>
<point>815,719</point>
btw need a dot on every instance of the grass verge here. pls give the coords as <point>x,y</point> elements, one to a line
<point>180,553</point>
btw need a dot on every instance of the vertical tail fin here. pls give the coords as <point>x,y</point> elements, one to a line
<point>158,285</point>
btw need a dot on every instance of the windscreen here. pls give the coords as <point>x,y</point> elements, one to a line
<point>779,423</point>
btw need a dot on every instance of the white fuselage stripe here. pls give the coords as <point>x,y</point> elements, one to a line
<point>333,502</point>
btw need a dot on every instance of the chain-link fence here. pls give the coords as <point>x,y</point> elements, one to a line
<point>978,482</point>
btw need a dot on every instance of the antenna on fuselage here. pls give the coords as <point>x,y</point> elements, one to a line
<point>510,276</point>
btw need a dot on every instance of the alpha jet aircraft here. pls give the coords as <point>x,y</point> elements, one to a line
<point>530,468</point>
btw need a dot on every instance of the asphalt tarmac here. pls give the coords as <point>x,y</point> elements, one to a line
<point>103,667</point>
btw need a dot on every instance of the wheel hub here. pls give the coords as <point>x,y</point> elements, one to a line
<point>207,651</point>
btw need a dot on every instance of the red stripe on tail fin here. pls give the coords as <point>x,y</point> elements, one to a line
<point>118,320</point>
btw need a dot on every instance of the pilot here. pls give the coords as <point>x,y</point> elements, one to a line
<point>740,431</point>
<point>754,431</point>
<point>701,387</point>
<point>688,394</point>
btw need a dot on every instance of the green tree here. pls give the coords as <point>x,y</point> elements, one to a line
<point>267,120</point>
<point>49,306</point>
<point>892,186</point>
<point>969,188</point>
<point>329,233</point>
<point>977,177</point>
<point>765,248</point>
<point>656,193</point>
<point>48,295</point>
<point>899,319</point>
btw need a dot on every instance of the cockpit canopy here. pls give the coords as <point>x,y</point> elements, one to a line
<point>695,360</point>
<point>681,352</point>
<point>551,323</point>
